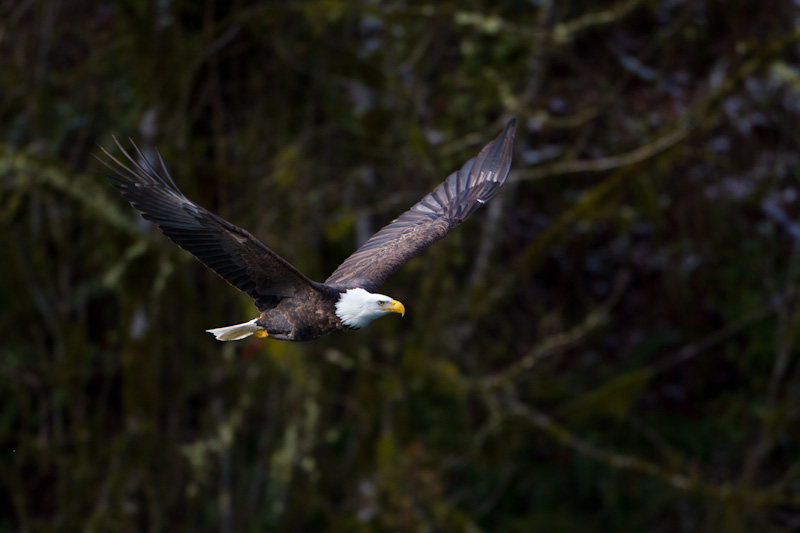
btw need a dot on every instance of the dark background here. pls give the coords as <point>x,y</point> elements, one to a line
<point>610,345</point>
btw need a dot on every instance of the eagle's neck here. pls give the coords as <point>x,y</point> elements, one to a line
<point>355,308</point>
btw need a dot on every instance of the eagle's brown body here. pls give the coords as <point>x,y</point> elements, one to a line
<point>303,320</point>
<point>292,306</point>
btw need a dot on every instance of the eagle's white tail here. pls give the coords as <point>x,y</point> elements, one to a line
<point>237,332</point>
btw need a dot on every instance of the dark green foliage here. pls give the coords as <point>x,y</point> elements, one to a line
<point>610,345</point>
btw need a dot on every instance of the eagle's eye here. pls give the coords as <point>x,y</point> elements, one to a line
<point>381,302</point>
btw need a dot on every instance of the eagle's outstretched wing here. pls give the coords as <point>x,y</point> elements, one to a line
<point>431,218</point>
<point>227,249</point>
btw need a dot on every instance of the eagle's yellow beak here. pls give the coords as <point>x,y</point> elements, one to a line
<point>396,307</point>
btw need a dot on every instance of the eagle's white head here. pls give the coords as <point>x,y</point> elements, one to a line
<point>357,308</point>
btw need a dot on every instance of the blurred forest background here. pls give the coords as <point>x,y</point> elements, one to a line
<point>610,345</point>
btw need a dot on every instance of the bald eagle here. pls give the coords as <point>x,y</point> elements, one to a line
<point>293,307</point>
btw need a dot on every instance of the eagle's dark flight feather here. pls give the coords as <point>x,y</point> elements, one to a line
<point>447,206</point>
<point>230,251</point>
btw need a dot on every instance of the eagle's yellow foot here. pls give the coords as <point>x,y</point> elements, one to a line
<point>261,334</point>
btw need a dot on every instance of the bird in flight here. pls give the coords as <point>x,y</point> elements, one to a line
<point>293,307</point>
